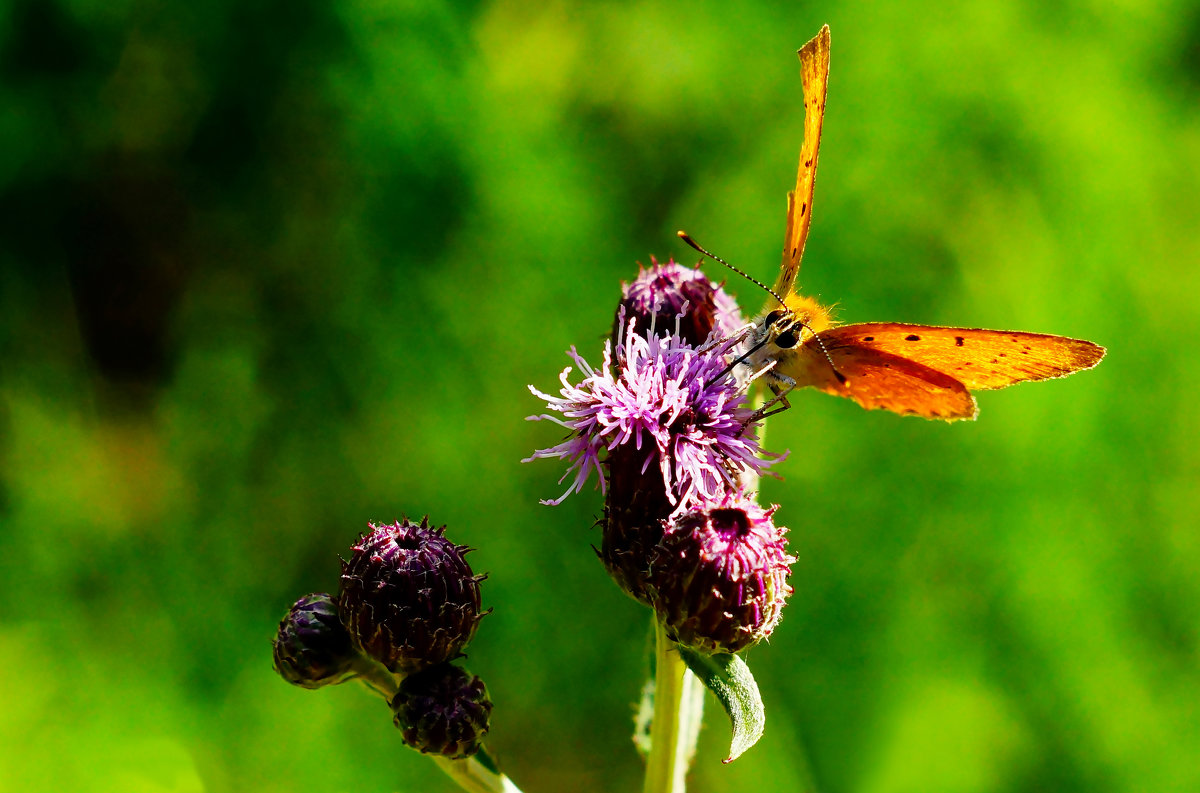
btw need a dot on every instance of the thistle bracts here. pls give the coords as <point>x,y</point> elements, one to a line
<point>312,649</point>
<point>443,710</point>
<point>671,298</point>
<point>667,426</point>
<point>408,597</point>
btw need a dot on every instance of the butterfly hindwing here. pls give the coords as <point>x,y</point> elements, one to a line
<point>880,380</point>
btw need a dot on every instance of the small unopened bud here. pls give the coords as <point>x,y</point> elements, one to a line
<point>312,649</point>
<point>443,710</point>
<point>408,597</point>
<point>718,576</point>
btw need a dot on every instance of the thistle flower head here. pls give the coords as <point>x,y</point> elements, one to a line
<point>718,576</point>
<point>669,296</point>
<point>661,422</point>
<point>443,710</point>
<point>408,597</point>
<point>658,393</point>
<point>311,648</point>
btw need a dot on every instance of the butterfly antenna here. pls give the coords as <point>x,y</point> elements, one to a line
<point>683,235</point>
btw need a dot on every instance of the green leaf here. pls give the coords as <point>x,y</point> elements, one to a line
<point>729,678</point>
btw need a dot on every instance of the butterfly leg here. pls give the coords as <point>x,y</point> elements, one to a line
<point>780,389</point>
<point>781,392</point>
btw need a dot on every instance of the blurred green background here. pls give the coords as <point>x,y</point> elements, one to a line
<point>271,270</point>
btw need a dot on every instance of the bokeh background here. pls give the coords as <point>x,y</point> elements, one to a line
<point>271,270</point>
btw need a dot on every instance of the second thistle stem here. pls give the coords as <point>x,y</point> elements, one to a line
<point>375,677</point>
<point>678,710</point>
<point>473,776</point>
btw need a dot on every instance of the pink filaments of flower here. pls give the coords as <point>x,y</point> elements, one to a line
<point>658,390</point>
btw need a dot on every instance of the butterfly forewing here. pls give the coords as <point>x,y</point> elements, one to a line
<point>979,359</point>
<point>814,75</point>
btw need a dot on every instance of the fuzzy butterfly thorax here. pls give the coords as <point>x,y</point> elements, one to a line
<point>781,335</point>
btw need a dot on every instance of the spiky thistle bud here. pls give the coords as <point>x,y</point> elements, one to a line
<point>718,576</point>
<point>443,710</point>
<point>666,296</point>
<point>408,597</point>
<point>312,649</point>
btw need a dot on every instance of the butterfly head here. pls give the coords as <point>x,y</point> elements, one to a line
<point>781,328</point>
<point>792,320</point>
<point>787,335</point>
<point>779,331</point>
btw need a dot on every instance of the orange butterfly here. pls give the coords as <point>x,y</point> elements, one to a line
<point>919,370</point>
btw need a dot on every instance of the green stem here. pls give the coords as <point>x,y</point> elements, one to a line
<point>678,710</point>
<point>474,777</point>
<point>377,678</point>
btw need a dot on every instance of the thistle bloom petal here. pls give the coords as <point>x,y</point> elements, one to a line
<point>662,393</point>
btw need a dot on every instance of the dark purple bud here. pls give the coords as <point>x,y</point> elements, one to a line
<point>408,597</point>
<point>634,512</point>
<point>312,649</point>
<point>443,710</point>
<point>660,294</point>
<point>718,576</point>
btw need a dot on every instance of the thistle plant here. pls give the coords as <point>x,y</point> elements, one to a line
<point>666,426</point>
<point>407,606</point>
<point>668,429</point>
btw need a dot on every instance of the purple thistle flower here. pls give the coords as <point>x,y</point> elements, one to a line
<point>662,394</point>
<point>661,422</point>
